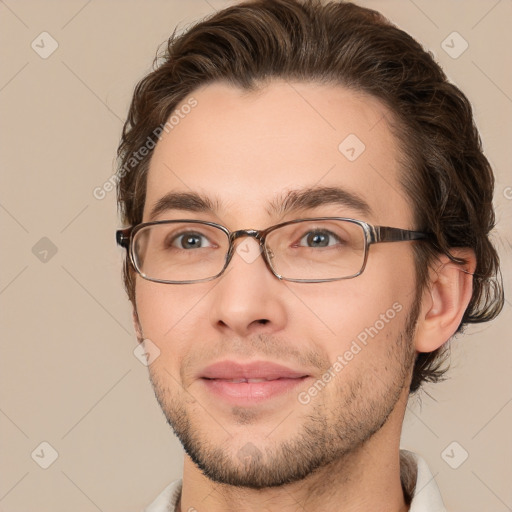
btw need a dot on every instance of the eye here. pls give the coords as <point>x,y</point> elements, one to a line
<point>190,240</point>
<point>319,238</point>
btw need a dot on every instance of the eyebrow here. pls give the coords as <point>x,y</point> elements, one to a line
<point>313,197</point>
<point>188,201</point>
<point>288,202</point>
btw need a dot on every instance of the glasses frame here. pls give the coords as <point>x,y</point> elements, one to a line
<point>372,235</point>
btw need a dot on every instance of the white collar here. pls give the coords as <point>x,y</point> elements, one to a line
<point>426,495</point>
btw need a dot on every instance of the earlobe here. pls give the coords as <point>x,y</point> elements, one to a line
<point>444,300</point>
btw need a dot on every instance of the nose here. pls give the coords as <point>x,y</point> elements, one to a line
<point>248,298</point>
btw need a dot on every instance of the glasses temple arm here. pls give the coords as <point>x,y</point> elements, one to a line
<point>385,234</point>
<point>123,237</point>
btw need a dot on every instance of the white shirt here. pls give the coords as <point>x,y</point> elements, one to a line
<point>425,494</point>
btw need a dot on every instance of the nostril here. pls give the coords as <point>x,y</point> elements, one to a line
<point>263,321</point>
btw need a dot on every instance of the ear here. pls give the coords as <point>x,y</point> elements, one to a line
<point>444,300</point>
<point>137,326</point>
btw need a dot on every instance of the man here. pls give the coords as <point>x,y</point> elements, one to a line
<point>308,211</point>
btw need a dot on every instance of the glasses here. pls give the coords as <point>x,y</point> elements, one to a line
<point>312,250</point>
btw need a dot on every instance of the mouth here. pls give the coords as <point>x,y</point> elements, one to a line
<point>239,381</point>
<point>248,383</point>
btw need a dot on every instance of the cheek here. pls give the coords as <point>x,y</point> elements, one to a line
<point>154,308</point>
<point>339,314</point>
<point>170,314</point>
<point>370,307</point>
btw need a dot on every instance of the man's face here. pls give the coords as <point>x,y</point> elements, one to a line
<point>244,151</point>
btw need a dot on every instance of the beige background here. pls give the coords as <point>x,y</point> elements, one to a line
<point>68,373</point>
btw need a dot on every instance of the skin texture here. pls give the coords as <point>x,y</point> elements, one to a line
<point>339,451</point>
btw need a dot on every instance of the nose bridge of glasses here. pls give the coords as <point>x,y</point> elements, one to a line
<point>254,233</point>
<point>259,236</point>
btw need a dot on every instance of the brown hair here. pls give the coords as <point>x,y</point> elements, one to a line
<point>445,174</point>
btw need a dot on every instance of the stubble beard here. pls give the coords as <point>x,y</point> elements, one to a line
<point>326,435</point>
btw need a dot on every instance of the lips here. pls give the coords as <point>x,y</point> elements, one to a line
<point>250,383</point>
<point>256,371</point>
<point>238,381</point>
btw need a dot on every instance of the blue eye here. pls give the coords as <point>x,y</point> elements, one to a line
<point>190,240</point>
<point>319,238</point>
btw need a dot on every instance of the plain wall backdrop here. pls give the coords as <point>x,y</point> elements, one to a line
<point>69,376</point>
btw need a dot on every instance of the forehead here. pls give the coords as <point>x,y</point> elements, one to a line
<point>247,150</point>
